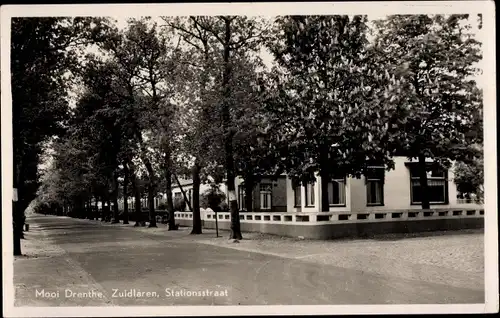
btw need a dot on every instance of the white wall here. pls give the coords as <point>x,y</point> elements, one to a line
<point>397,190</point>
<point>396,193</point>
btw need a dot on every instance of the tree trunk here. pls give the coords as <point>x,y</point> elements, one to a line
<point>151,205</point>
<point>137,196</point>
<point>152,182</point>
<point>249,186</point>
<point>137,207</point>
<point>103,209</point>
<point>125,193</point>
<point>17,211</point>
<point>17,231</point>
<point>108,210</point>
<point>197,228</point>
<point>325,178</point>
<point>170,200</point>
<point>96,212</point>
<point>89,208</point>
<point>116,211</point>
<point>228,132</point>
<point>186,199</point>
<point>80,208</point>
<point>424,190</point>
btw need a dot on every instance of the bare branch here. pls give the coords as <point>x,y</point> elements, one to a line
<point>239,44</point>
<point>192,43</point>
<point>208,29</point>
<point>179,28</point>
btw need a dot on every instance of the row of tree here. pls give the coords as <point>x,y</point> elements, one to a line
<point>191,96</point>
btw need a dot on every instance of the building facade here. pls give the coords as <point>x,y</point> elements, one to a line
<point>378,190</point>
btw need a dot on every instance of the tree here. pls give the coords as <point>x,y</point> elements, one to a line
<point>325,100</point>
<point>86,157</point>
<point>41,55</point>
<point>231,36</point>
<point>101,111</point>
<point>200,147</point>
<point>254,154</point>
<point>124,53</point>
<point>135,54</point>
<point>439,55</point>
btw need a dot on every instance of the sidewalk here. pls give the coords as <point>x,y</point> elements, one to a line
<point>454,258</point>
<point>58,268</point>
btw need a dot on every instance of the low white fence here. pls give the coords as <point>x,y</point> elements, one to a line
<point>314,218</point>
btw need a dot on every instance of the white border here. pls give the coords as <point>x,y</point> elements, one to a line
<point>487,8</point>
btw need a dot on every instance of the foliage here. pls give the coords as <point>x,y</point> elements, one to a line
<point>469,178</point>
<point>443,103</point>
<point>44,52</point>
<point>193,97</point>
<point>212,198</point>
<point>327,115</point>
<point>179,204</point>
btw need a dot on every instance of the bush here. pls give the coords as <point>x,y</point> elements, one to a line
<point>179,204</point>
<point>469,178</point>
<point>224,207</point>
<point>212,198</point>
<point>162,206</point>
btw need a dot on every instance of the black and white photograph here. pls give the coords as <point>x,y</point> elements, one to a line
<point>249,158</point>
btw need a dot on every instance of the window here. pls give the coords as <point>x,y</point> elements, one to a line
<point>297,195</point>
<point>241,198</point>
<point>177,196</point>
<point>309,194</point>
<point>336,192</point>
<point>265,196</point>
<point>374,177</point>
<point>437,189</point>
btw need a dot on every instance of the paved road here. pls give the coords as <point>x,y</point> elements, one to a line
<point>85,256</point>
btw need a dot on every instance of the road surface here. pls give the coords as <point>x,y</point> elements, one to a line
<point>73,262</point>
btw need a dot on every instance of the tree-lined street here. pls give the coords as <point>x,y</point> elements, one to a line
<point>83,255</point>
<point>118,124</point>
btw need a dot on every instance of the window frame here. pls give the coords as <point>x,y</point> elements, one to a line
<point>344,199</point>
<point>297,190</point>
<point>377,179</point>
<point>306,188</point>
<point>430,167</point>
<point>241,198</point>
<point>270,193</point>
